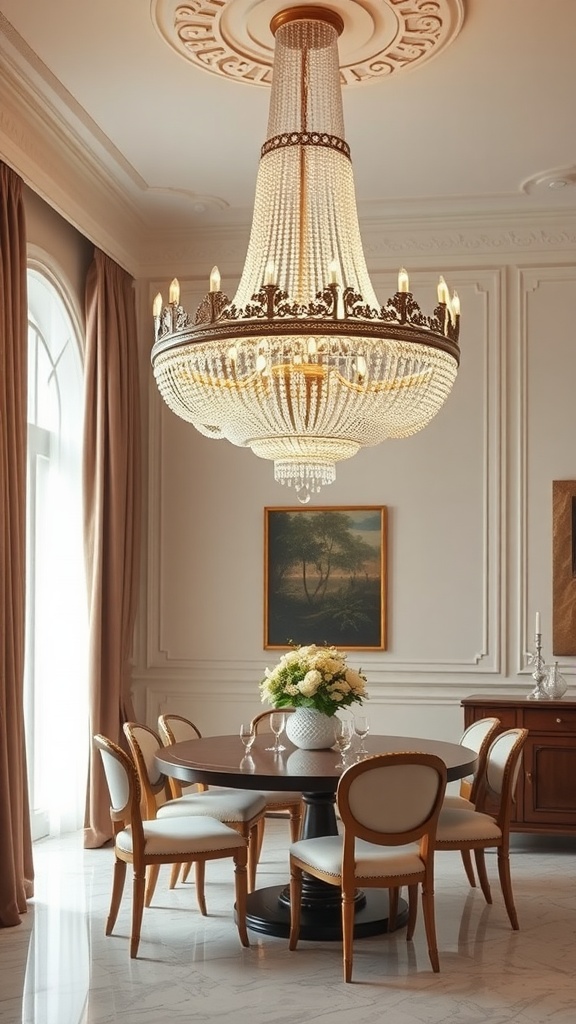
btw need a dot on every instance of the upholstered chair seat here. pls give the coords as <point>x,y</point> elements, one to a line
<point>457,803</point>
<point>370,861</point>
<point>229,805</point>
<point>207,834</point>
<point>462,824</point>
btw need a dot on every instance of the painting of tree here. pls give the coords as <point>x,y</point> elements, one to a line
<point>325,577</point>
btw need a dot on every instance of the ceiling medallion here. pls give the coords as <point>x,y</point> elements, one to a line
<point>556,179</point>
<point>232,38</point>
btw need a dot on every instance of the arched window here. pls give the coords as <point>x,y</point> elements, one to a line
<point>56,699</point>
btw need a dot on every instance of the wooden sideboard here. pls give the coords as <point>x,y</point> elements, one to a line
<point>546,794</point>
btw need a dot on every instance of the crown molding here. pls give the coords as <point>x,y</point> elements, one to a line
<point>59,169</point>
<point>386,242</point>
<point>47,137</point>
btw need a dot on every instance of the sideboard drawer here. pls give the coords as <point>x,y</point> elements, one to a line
<point>557,719</point>
<point>508,716</point>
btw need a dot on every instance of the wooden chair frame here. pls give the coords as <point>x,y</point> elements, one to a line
<point>125,815</point>
<point>423,833</point>
<point>500,786</point>
<point>166,724</point>
<point>469,787</point>
<point>155,793</point>
<point>278,802</point>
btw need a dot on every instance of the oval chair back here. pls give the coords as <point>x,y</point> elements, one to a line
<point>144,742</point>
<point>178,729</point>
<point>478,736</point>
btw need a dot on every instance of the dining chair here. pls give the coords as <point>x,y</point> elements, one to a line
<point>478,736</point>
<point>241,809</point>
<point>176,729</point>
<point>471,829</point>
<point>389,806</point>
<point>150,843</point>
<point>276,801</point>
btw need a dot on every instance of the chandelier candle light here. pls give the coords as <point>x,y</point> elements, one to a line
<point>303,365</point>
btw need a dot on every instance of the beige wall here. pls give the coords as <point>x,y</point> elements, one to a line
<point>469,499</point>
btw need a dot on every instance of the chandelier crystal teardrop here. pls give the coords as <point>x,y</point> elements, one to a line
<point>303,365</point>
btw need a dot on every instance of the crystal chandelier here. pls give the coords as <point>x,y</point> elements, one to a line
<point>303,365</point>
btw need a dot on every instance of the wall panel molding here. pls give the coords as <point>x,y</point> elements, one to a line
<point>485,656</point>
<point>544,345</point>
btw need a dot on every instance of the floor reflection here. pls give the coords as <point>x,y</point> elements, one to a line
<point>58,967</point>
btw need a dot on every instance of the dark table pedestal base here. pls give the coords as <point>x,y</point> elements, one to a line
<point>269,914</point>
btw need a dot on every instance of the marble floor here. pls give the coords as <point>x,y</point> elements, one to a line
<point>58,967</point>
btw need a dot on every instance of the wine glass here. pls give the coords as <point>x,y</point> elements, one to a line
<point>247,735</point>
<point>361,728</point>
<point>277,722</point>
<point>344,732</point>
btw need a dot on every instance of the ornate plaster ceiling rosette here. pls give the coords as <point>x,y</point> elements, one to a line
<point>232,38</point>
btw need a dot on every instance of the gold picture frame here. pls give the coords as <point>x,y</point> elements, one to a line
<point>325,577</point>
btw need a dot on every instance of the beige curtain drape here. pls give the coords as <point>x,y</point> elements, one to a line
<point>16,865</point>
<point>112,486</point>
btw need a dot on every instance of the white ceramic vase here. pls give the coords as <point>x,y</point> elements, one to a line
<point>310,729</point>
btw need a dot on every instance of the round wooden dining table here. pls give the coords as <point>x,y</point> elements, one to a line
<point>221,761</point>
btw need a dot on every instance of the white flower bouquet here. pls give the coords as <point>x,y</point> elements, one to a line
<point>313,677</point>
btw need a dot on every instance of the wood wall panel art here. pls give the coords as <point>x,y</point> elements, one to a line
<point>564,567</point>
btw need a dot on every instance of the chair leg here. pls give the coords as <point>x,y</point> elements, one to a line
<point>295,822</point>
<point>295,900</point>
<point>153,870</point>
<point>506,886</point>
<point>482,875</point>
<point>467,862</point>
<point>137,910</point>
<point>347,934</point>
<point>199,874</point>
<point>186,871</point>
<point>260,833</point>
<point>174,875</point>
<point>117,890</point>
<point>430,926</point>
<point>252,857</point>
<point>241,889</point>
<point>412,910</point>
<point>393,895</point>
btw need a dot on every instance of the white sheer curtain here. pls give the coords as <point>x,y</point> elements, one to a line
<point>57,639</point>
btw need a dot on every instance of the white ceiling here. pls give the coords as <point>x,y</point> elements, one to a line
<point>470,130</point>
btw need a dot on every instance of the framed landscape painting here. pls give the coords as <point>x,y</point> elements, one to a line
<point>325,577</point>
